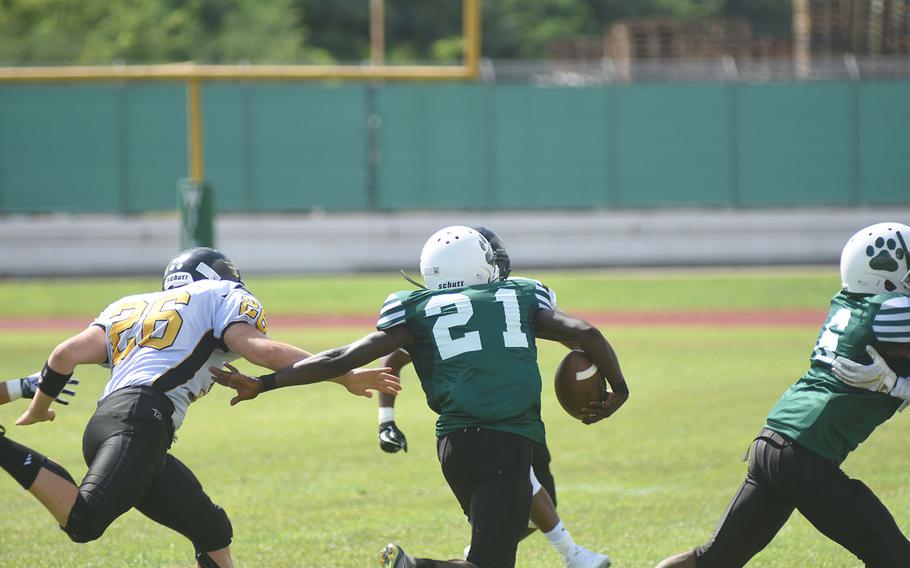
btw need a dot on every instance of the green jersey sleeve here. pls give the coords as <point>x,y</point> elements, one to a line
<point>392,312</point>
<point>892,322</point>
<point>546,297</point>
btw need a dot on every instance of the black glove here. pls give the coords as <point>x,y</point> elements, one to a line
<point>391,439</point>
<point>29,387</point>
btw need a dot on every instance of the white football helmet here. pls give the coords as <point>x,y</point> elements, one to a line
<point>456,257</point>
<point>876,260</point>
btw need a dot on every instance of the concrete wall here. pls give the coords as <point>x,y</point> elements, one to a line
<point>290,244</point>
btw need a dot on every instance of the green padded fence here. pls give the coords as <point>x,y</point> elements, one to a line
<point>303,146</point>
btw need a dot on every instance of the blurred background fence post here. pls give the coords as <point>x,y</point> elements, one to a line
<point>196,204</point>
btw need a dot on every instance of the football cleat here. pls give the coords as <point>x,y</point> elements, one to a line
<point>581,557</point>
<point>200,263</point>
<point>392,556</point>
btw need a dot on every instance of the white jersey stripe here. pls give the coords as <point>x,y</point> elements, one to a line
<point>390,309</point>
<point>390,317</point>
<point>892,315</point>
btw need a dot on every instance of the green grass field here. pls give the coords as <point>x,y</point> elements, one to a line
<point>302,477</point>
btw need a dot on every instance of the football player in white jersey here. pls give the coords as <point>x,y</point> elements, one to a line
<point>155,345</point>
<point>543,505</point>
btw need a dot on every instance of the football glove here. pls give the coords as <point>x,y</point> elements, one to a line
<point>29,387</point>
<point>876,376</point>
<point>391,439</point>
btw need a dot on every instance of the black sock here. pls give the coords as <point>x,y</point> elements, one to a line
<point>20,462</point>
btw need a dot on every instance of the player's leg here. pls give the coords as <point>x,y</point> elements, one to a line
<point>543,510</point>
<point>122,457</point>
<point>545,517</point>
<point>755,514</point>
<point>543,502</point>
<point>501,501</point>
<point>846,511</point>
<point>176,499</point>
<point>124,446</point>
<point>49,482</point>
<point>488,473</point>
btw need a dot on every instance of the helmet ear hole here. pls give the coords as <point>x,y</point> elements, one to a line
<point>889,286</point>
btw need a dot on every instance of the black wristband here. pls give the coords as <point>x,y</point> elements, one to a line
<point>268,382</point>
<point>51,382</point>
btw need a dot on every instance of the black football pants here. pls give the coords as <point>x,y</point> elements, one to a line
<point>487,471</point>
<point>541,465</point>
<point>784,476</point>
<point>125,447</point>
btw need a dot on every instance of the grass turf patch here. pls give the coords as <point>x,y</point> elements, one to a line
<point>363,293</point>
<point>302,477</point>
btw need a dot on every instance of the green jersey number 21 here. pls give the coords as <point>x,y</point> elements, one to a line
<point>442,330</point>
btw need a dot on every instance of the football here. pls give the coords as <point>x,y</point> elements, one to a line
<point>578,382</point>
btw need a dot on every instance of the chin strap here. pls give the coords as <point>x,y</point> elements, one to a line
<point>411,280</point>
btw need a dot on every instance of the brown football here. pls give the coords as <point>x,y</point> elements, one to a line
<point>578,382</point>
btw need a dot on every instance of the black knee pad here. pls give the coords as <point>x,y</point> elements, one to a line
<point>80,526</point>
<point>215,531</point>
<point>205,561</point>
<point>58,470</point>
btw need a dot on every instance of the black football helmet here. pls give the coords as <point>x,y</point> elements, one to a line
<point>200,263</point>
<point>500,256</point>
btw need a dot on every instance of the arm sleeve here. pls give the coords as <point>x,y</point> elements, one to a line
<point>104,318</point>
<point>391,313</point>
<point>546,298</point>
<point>892,322</point>
<point>239,306</point>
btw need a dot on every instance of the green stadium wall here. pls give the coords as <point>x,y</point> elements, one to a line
<point>354,147</point>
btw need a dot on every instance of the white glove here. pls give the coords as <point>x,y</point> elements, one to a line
<point>876,376</point>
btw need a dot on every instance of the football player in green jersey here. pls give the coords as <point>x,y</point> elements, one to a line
<point>794,463</point>
<point>543,486</point>
<point>472,338</point>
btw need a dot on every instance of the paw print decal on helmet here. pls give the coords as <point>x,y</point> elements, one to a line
<point>885,254</point>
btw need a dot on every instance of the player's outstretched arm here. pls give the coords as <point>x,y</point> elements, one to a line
<point>876,376</point>
<point>88,346</point>
<point>391,438</point>
<point>326,365</point>
<point>559,326</point>
<point>257,348</point>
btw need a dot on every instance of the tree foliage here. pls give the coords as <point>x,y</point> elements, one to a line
<point>319,31</point>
